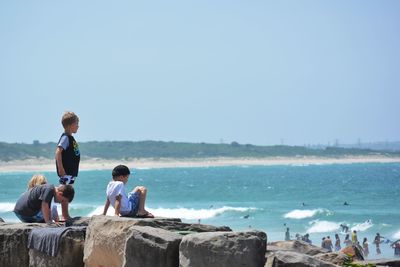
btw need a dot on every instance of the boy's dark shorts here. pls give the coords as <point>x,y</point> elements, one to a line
<point>67,179</point>
<point>133,198</point>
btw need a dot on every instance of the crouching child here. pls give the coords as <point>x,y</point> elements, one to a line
<point>34,206</point>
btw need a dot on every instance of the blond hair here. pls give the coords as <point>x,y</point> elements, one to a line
<point>68,119</point>
<point>37,179</point>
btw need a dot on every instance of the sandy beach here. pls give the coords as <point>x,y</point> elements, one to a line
<point>41,165</point>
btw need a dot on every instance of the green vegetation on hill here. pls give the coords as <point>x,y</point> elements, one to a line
<point>159,149</point>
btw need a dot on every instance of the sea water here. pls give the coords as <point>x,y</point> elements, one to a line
<point>305,198</point>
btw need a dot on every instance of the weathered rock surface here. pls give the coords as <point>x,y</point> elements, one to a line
<point>333,257</point>
<point>70,252</point>
<point>302,247</point>
<point>381,262</point>
<point>295,245</point>
<point>178,226</point>
<point>1,220</point>
<point>294,259</point>
<point>122,242</point>
<point>14,244</point>
<point>148,246</point>
<point>114,241</point>
<point>223,249</point>
<point>78,221</point>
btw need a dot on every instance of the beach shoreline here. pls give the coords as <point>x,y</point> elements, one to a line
<point>42,165</point>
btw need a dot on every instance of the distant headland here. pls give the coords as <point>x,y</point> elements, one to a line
<point>158,154</point>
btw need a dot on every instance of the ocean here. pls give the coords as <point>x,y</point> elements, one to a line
<point>305,198</point>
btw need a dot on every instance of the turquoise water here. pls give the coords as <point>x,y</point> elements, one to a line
<point>259,197</point>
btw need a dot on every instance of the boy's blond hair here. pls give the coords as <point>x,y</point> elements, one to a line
<point>37,179</point>
<point>69,118</point>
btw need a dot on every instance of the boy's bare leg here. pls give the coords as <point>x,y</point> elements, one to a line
<point>142,200</point>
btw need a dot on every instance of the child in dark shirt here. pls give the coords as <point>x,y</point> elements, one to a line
<point>67,154</point>
<point>34,205</point>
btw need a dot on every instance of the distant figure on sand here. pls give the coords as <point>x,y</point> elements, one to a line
<point>287,234</point>
<point>337,242</point>
<point>396,246</point>
<point>298,236</point>
<point>131,205</point>
<point>365,247</point>
<point>328,243</point>
<point>377,242</point>
<point>306,238</point>
<point>323,244</point>
<point>354,238</point>
<point>347,240</point>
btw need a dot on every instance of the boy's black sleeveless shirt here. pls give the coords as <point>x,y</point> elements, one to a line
<point>70,157</point>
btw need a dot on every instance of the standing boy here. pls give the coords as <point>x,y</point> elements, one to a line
<point>127,206</point>
<point>34,205</point>
<point>68,154</point>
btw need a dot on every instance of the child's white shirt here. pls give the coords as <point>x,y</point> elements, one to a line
<point>115,188</point>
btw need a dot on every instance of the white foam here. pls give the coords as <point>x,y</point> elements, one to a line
<point>318,226</point>
<point>301,214</point>
<point>396,235</point>
<point>194,214</point>
<point>183,213</point>
<point>360,227</point>
<point>6,206</point>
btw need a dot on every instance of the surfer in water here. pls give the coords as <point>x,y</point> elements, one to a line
<point>345,228</point>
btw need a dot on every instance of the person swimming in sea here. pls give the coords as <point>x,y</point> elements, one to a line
<point>345,228</point>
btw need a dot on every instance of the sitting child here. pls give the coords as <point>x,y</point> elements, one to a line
<point>126,206</point>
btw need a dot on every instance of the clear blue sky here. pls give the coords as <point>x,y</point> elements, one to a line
<point>260,72</point>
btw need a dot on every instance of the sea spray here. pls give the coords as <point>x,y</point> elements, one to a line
<point>184,213</point>
<point>360,227</point>
<point>6,207</point>
<point>318,226</point>
<point>302,214</point>
<point>396,235</point>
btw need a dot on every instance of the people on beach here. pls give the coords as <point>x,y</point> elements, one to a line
<point>365,247</point>
<point>323,243</point>
<point>354,238</point>
<point>33,206</point>
<point>39,179</point>
<point>328,243</point>
<point>337,242</point>
<point>131,205</point>
<point>306,238</point>
<point>347,242</point>
<point>67,154</point>
<point>396,246</point>
<point>377,242</point>
<point>287,234</point>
